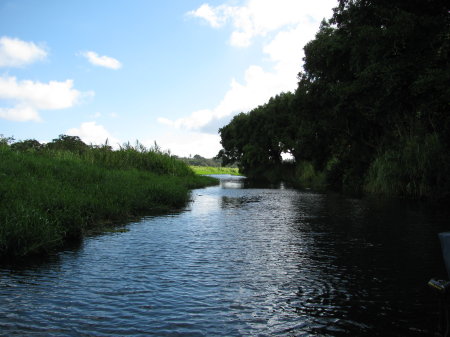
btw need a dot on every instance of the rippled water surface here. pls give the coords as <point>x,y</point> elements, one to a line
<point>240,261</point>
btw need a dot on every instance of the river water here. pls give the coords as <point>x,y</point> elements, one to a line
<point>240,261</point>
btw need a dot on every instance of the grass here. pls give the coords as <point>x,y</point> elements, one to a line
<point>215,170</point>
<point>48,198</point>
<point>412,169</point>
<point>306,176</point>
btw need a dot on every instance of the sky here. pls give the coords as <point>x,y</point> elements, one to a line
<point>171,72</point>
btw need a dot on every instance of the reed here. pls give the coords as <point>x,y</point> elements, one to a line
<point>411,169</point>
<point>306,176</point>
<point>49,197</point>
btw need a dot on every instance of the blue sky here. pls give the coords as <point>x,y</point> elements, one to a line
<point>149,70</point>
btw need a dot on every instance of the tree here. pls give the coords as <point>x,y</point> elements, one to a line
<point>374,86</point>
<point>27,145</point>
<point>68,143</point>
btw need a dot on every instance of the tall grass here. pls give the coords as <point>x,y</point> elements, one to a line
<point>412,169</point>
<point>48,197</point>
<point>306,176</point>
<point>138,157</point>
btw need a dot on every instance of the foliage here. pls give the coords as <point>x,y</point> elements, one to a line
<point>306,176</point>
<point>27,145</point>
<point>67,143</point>
<point>416,167</point>
<point>198,160</point>
<point>5,141</point>
<point>372,99</point>
<point>256,140</point>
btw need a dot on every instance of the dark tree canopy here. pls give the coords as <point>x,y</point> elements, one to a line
<point>371,110</point>
<point>68,143</point>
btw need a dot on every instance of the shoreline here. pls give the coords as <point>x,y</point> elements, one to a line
<point>52,198</point>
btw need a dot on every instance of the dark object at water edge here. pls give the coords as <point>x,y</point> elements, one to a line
<point>442,289</point>
<point>445,245</point>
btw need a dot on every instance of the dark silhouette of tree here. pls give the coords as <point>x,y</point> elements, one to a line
<point>371,107</point>
<point>27,145</point>
<point>67,143</point>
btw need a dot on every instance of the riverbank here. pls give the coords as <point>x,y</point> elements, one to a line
<point>51,197</point>
<point>215,170</point>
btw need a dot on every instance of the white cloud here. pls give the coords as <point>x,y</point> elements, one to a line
<point>258,86</point>
<point>258,18</point>
<point>20,113</point>
<point>49,96</point>
<point>288,25</point>
<point>209,14</point>
<point>165,121</point>
<point>102,61</point>
<point>17,53</point>
<point>185,143</point>
<point>196,120</point>
<point>286,54</point>
<point>29,97</point>
<point>92,133</point>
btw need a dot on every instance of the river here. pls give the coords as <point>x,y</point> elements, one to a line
<point>240,260</point>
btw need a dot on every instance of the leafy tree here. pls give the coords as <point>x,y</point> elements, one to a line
<point>5,141</point>
<point>27,145</point>
<point>68,143</point>
<point>360,73</point>
<point>374,87</point>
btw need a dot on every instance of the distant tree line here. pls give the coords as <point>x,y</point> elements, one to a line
<point>63,143</point>
<point>73,144</point>
<point>198,160</point>
<point>371,110</point>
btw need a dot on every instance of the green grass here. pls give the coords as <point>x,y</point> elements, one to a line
<point>412,169</point>
<point>215,170</point>
<point>48,198</point>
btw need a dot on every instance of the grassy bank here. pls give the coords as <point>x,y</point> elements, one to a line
<point>215,170</point>
<point>49,197</point>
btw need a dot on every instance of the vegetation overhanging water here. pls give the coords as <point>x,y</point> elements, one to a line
<point>370,114</point>
<point>55,193</point>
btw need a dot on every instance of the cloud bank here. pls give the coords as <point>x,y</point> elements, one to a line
<point>185,143</point>
<point>22,100</point>
<point>286,26</point>
<point>259,18</point>
<point>28,97</point>
<point>18,53</point>
<point>102,61</point>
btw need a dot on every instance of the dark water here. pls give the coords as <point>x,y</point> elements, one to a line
<point>240,262</point>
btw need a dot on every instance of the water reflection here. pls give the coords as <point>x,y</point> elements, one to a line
<point>230,202</point>
<point>241,182</point>
<point>372,261</point>
<point>240,261</point>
